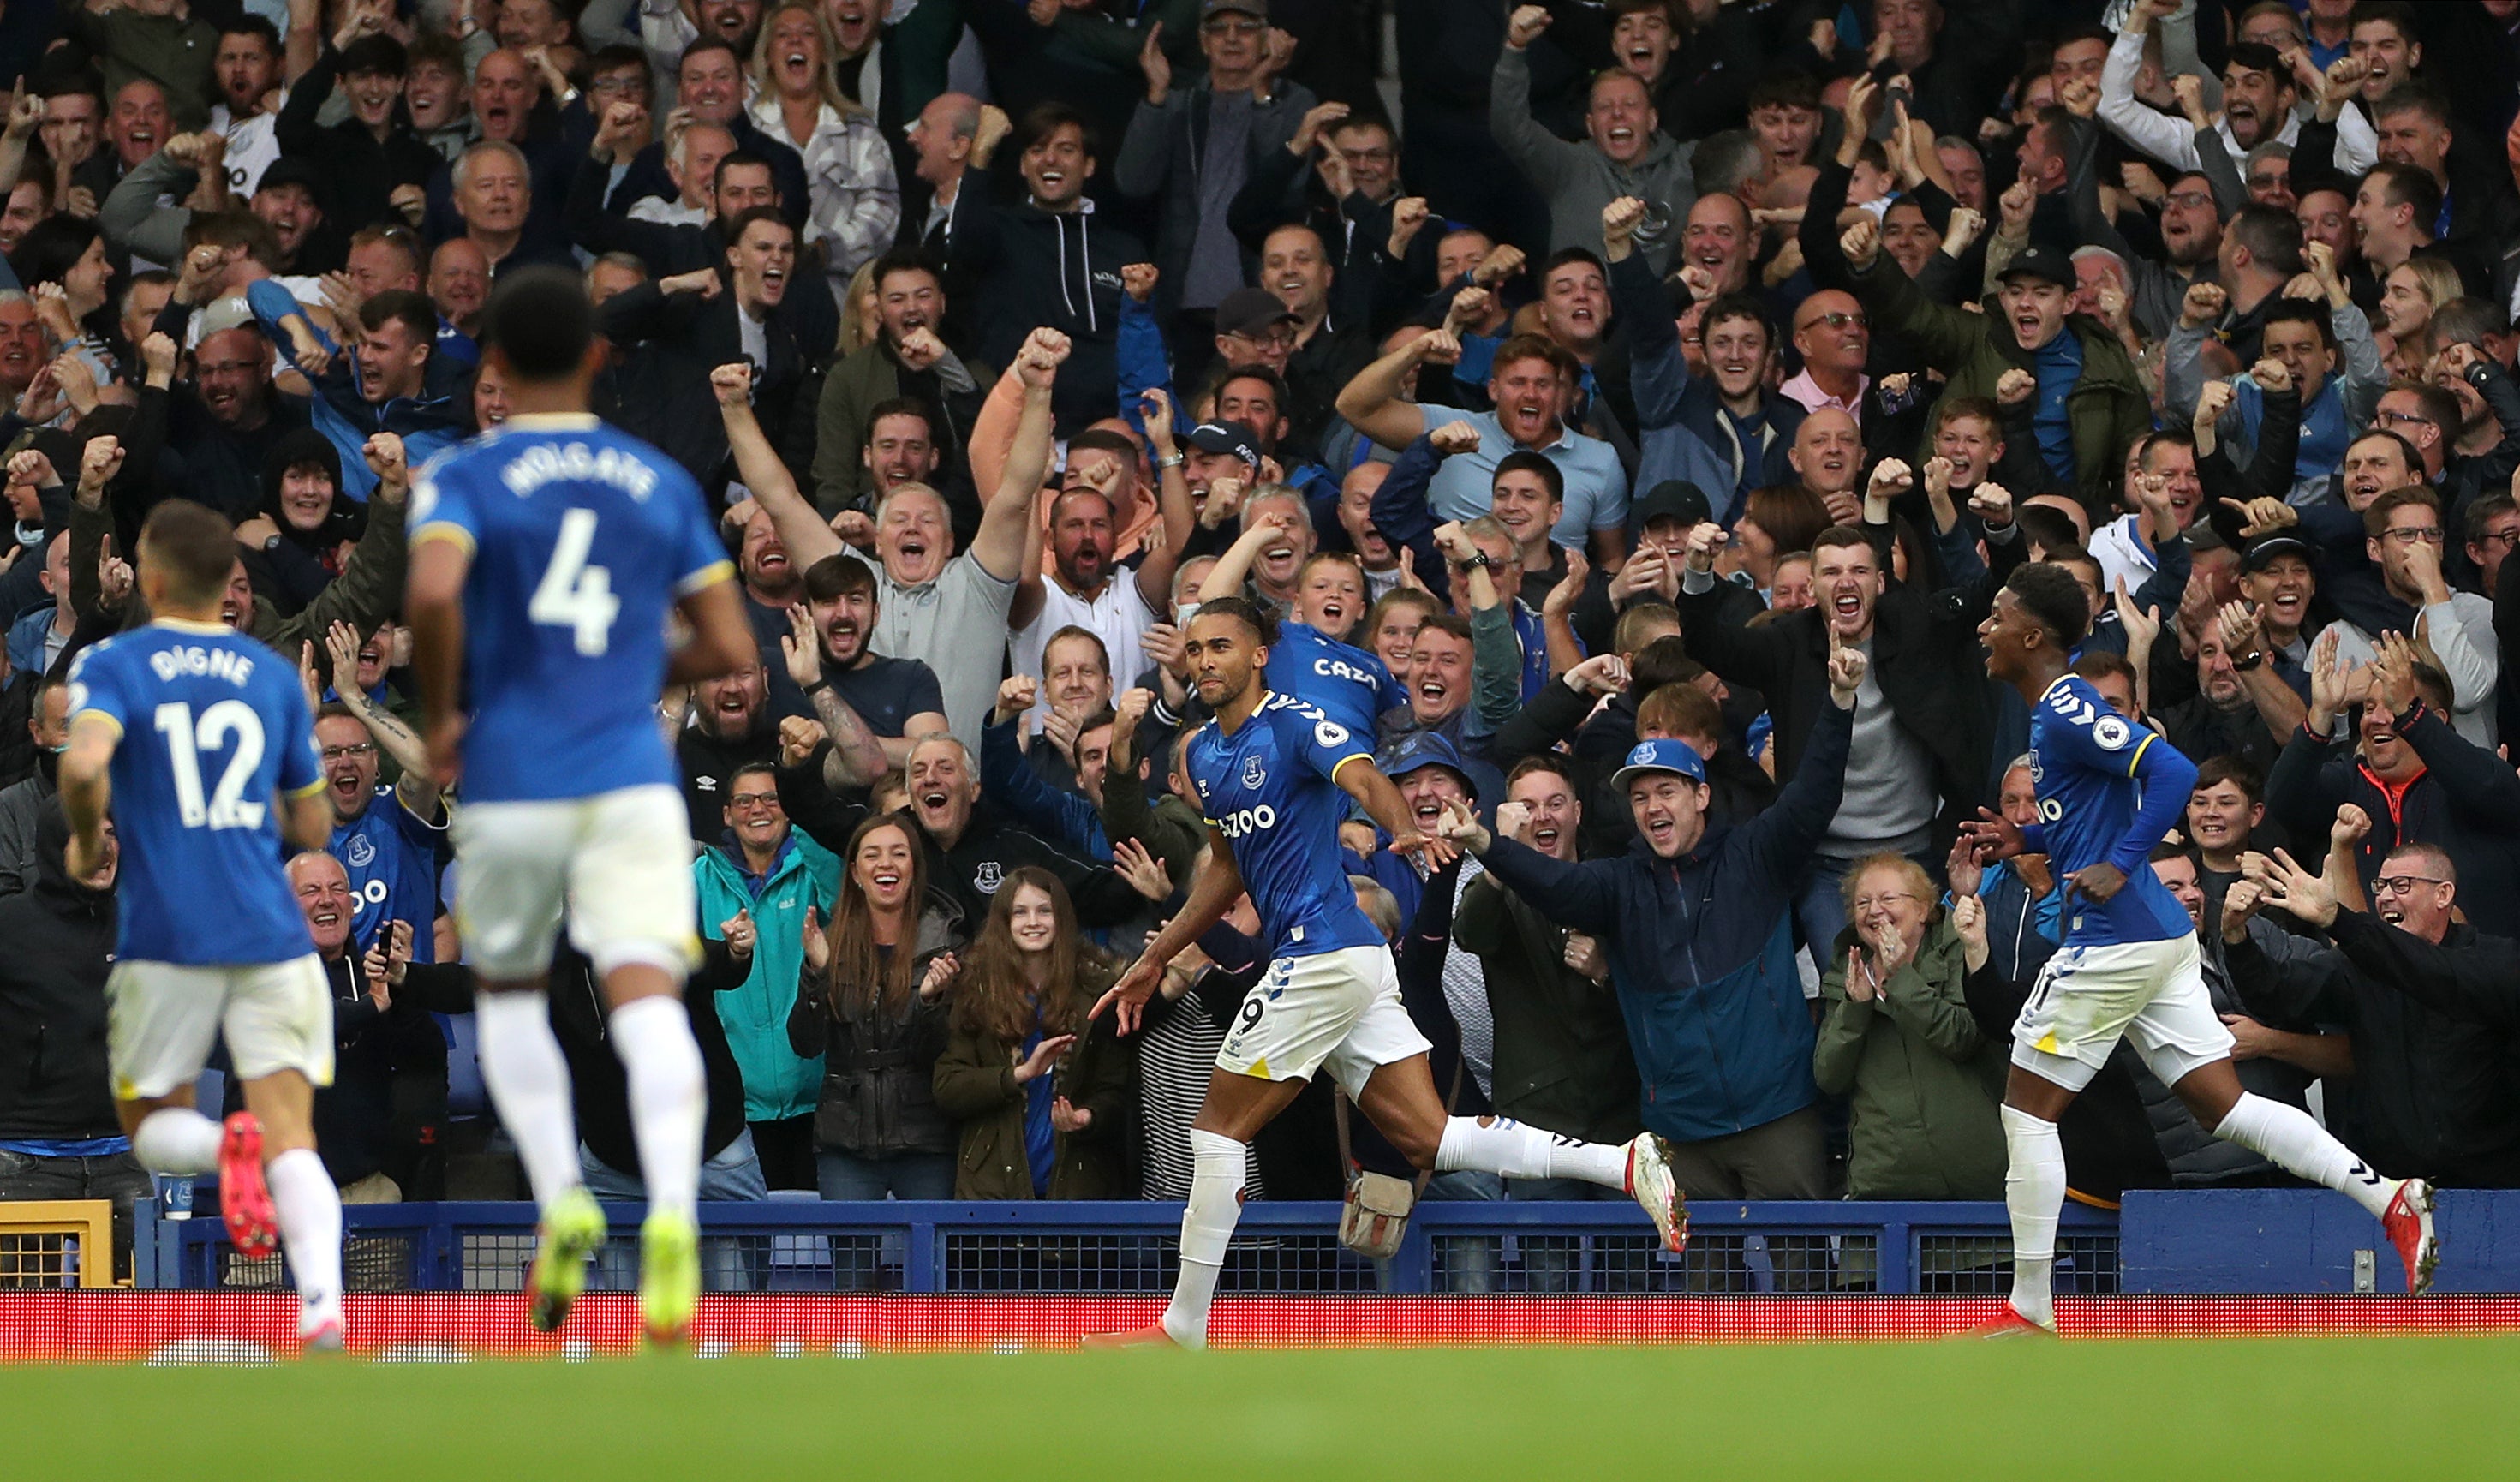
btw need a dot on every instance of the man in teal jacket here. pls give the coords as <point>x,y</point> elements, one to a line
<point>755,888</point>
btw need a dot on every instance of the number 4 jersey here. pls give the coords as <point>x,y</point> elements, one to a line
<point>214,734</point>
<point>582,538</point>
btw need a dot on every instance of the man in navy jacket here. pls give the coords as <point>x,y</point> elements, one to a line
<point>1699,928</point>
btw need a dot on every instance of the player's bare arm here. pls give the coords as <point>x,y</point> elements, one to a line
<point>1217,887</point>
<point>800,529</point>
<point>433,601</point>
<point>721,639</point>
<point>1382,804</point>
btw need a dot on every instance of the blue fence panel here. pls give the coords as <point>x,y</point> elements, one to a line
<point>2308,1240</point>
<point>786,1245</point>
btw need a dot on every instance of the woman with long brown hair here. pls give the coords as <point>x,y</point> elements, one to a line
<point>1043,1092</point>
<point>870,1002</point>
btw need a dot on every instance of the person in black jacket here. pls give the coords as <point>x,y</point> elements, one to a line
<point>682,328</point>
<point>365,158</point>
<point>1048,261</point>
<point>2426,1000</point>
<point>1923,765</point>
<point>53,1090</point>
<point>729,1169</point>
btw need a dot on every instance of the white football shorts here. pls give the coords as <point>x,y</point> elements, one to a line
<point>1336,1010</point>
<point>619,862</point>
<point>2087,997</point>
<point>160,1019</point>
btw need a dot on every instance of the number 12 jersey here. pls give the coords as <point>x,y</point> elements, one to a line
<point>215,733</point>
<point>582,539</point>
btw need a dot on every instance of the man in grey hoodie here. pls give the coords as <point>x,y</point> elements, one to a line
<point>1627,154</point>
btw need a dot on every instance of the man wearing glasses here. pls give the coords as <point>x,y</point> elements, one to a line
<point>387,838</point>
<point>2406,541</point>
<point>2412,983</point>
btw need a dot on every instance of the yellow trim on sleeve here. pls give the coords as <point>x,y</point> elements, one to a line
<point>98,715</point>
<point>440,530</point>
<point>2149,736</point>
<point>1353,756</point>
<point>309,791</point>
<point>706,576</point>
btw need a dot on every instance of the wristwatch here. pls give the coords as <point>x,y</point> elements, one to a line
<point>2244,666</point>
<point>818,687</point>
<point>1481,561</point>
<point>1174,462</point>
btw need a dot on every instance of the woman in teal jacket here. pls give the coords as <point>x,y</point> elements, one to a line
<point>759,884</point>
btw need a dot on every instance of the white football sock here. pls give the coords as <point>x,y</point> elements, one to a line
<point>527,1078</point>
<point>2292,1139</point>
<point>176,1139</point>
<point>668,1098</point>
<point>309,1209</point>
<point>1505,1147</point>
<point>2033,1191</point>
<point>1208,1218</point>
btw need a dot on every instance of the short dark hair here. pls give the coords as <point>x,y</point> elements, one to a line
<point>1245,611</point>
<point>415,311</point>
<point>1743,305</point>
<point>739,158</point>
<point>747,769</point>
<point>2376,519</point>
<point>2300,311</point>
<point>251,26</point>
<point>2413,455</point>
<point>1664,661</point>
<point>2441,408</point>
<point>1843,538</point>
<point>1545,761</point>
<point>2236,769</point>
<point>2479,511</point>
<point>2390,11</point>
<point>2099,666</point>
<point>1524,461</point>
<point>540,320</point>
<point>837,575</point>
<point>1572,254</point>
<point>2049,527</point>
<point>1785,89</point>
<point>2405,185</point>
<point>1255,371</point>
<point>905,261</point>
<point>1071,632</point>
<point>706,44</point>
<point>1048,119</point>
<point>2272,238</point>
<point>746,219</point>
<point>1444,622</point>
<point>194,545</point>
<point>2054,600</point>
<point>903,406</point>
<point>51,248</point>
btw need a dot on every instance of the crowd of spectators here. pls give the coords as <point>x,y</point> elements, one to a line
<point>1570,382</point>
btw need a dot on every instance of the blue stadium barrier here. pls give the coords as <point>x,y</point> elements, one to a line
<point>2190,1241</point>
<point>783,1245</point>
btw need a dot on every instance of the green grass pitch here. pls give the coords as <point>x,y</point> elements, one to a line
<point>2347,1408</point>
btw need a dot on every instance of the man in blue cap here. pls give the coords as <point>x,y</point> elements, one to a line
<point>1698,924</point>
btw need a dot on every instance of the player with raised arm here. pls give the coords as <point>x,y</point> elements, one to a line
<point>198,740</point>
<point>1275,776</point>
<point>2108,791</point>
<point>547,558</point>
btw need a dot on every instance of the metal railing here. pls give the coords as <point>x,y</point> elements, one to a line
<point>791,1246</point>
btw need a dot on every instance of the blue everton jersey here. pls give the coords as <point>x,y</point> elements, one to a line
<point>1268,786</point>
<point>1350,685</point>
<point>391,856</point>
<point>2082,762</point>
<point>215,734</point>
<point>582,539</point>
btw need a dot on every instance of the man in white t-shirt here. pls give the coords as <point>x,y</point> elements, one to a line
<point>1085,587</point>
<point>248,68</point>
